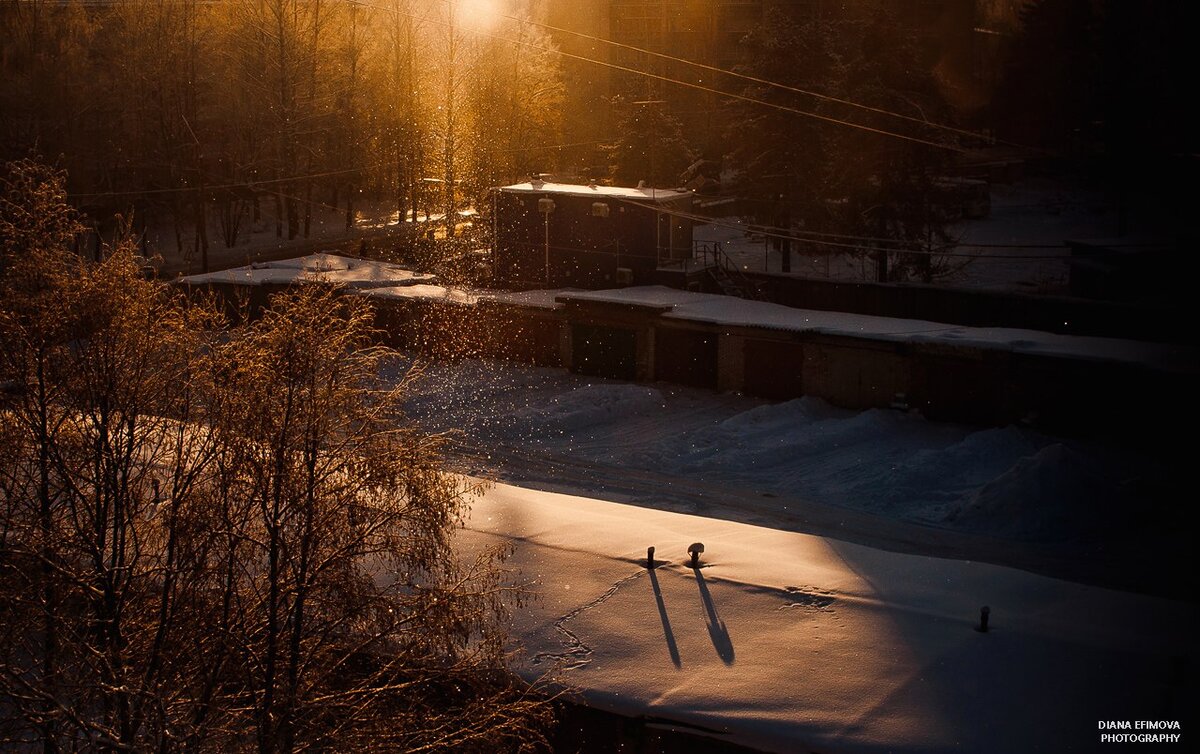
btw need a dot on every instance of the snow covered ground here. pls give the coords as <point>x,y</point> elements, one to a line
<point>794,643</point>
<point>884,478</point>
<point>847,557</point>
<point>257,240</point>
<point>1033,212</point>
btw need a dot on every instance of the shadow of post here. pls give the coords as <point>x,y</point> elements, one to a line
<point>716,627</point>
<point>666,622</point>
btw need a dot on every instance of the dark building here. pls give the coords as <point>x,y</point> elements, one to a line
<point>559,234</point>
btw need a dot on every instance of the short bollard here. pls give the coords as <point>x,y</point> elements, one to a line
<point>650,557</point>
<point>985,612</point>
<point>694,550</point>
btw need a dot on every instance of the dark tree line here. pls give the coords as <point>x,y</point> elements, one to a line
<point>214,118</point>
<point>1107,85</point>
<point>223,537</point>
<point>808,174</point>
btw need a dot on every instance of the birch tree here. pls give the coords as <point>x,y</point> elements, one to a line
<point>225,538</point>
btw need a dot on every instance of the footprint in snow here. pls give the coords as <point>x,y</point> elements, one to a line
<point>809,597</point>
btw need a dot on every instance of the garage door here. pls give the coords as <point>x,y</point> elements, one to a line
<point>604,351</point>
<point>773,369</point>
<point>687,357</point>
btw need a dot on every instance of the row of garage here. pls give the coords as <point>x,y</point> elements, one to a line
<point>963,383</point>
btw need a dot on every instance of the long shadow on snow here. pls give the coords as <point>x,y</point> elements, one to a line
<point>716,627</point>
<point>672,647</point>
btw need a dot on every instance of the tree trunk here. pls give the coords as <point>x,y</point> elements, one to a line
<point>308,189</point>
<point>201,229</point>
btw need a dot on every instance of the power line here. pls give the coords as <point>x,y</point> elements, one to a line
<point>787,234</point>
<point>784,108</point>
<point>874,239</point>
<point>688,84</point>
<point>766,82</point>
<point>306,177</point>
<point>223,187</point>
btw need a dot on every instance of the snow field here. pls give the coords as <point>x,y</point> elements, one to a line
<point>789,642</point>
<point>1010,482</point>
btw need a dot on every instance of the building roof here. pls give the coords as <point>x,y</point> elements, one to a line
<point>322,267</point>
<point>729,311</point>
<point>600,192</point>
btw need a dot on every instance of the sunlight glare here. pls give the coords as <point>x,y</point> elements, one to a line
<point>480,15</point>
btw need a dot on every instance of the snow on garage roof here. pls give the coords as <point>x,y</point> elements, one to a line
<point>730,311</point>
<point>600,192</point>
<point>316,268</point>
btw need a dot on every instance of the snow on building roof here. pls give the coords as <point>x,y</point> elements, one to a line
<point>600,192</point>
<point>321,267</point>
<point>736,312</point>
<point>792,642</point>
<point>422,291</point>
<point>537,299</point>
<point>651,296</point>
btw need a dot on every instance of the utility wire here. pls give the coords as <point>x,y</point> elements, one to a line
<point>223,187</point>
<point>688,84</point>
<point>309,176</point>
<point>766,82</point>
<point>785,108</point>
<point>788,236</point>
<point>757,228</point>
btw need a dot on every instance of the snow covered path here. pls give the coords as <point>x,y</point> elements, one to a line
<point>794,643</point>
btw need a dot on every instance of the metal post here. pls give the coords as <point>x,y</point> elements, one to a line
<point>657,238</point>
<point>546,206</point>
<point>671,237</point>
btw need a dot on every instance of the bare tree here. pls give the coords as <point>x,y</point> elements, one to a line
<point>404,123</point>
<point>226,538</point>
<point>518,79</point>
<point>107,369</point>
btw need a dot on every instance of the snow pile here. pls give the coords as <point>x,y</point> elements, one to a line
<point>790,642</point>
<point>727,455</point>
<point>590,405</point>
<point>1055,493</point>
<point>946,476</point>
